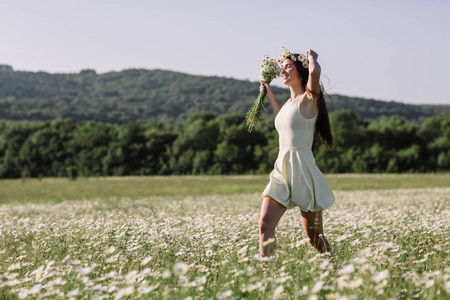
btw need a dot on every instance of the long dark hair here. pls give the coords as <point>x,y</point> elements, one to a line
<point>322,130</point>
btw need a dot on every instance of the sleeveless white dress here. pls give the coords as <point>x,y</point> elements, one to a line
<point>296,180</point>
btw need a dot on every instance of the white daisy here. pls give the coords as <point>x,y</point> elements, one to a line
<point>180,268</point>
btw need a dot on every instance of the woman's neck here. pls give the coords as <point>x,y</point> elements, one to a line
<point>296,91</point>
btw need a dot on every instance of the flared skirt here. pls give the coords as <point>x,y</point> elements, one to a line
<point>297,181</point>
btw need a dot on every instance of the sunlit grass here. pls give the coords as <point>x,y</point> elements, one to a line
<point>389,243</point>
<point>59,189</point>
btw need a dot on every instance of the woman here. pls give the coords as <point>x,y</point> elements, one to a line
<point>296,180</point>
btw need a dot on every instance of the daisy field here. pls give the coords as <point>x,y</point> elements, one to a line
<point>388,243</point>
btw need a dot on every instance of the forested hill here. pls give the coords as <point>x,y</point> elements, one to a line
<point>155,96</point>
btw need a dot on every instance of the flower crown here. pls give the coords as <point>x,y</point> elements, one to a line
<point>295,57</point>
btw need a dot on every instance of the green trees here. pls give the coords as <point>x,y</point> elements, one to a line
<point>193,147</point>
<point>88,148</point>
<point>349,135</point>
<point>210,144</point>
<point>435,134</point>
<point>390,144</point>
<point>214,145</point>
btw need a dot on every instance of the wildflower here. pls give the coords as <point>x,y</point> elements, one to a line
<point>386,245</point>
<point>355,283</point>
<point>73,293</point>
<point>429,283</point>
<point>269,241</point>
<point>270,70</point>
<point>13,282</point>
<point>279,292</point>
<point>447,287</point>
<point>342,282</point>
<point>367,268</point>
<point>302,242</point>
<point>180,268</point>
<point>243,250</point>
<point>209,253</point>
<point>110,250</point>
<point>356,242</point>
<point>317,287</point>
<point>112,259</point>
<point>324,264</point>
<point>249,288</point>
<point>131,277</point>
<point>35,290</point>
<point>124,292</point>
<point>145,290</point>
<point>165,274</point>
<point>379,276</point>
<point>23,294</point>
<point>146,260</point>
<point>57,281</point>
<point>324,274</point>
<point>439,247</point>
<point>420,260</point>
<point>85,271</point>
<point>342,237</point>
<point>347,269</point>
<point>38,272</point>
<point>224,295</point>
<point>14,267</point>
<point>359,260</point>
<point>183,281</point>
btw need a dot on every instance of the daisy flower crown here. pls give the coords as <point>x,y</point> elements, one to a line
<point>295,57</point>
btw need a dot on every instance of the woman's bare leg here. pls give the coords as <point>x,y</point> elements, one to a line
<point>271,212</point>
<point>312,223</point>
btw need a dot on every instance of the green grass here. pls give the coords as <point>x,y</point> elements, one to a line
<point>104,238</point>
<point>60,189</point>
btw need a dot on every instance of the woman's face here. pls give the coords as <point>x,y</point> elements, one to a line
<point>289,73</point>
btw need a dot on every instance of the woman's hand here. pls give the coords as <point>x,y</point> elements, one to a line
<point>270,95</point>
<point>312,53</point>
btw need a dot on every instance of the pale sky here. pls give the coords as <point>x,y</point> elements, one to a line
<point>380,49</point>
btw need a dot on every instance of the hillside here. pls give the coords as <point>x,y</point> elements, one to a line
<point>155,96</point>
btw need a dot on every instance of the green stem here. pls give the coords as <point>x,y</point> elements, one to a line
<point>254,113</point>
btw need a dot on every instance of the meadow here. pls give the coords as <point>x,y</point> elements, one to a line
<point>196,237</point>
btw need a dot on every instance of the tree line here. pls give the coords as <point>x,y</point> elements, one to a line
<point>210,144</point>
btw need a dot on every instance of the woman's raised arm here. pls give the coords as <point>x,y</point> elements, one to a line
<point>313,85</point>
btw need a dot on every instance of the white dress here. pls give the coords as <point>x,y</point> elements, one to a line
<point>296,180</point>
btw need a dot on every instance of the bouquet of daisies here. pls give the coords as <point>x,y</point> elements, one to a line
<point>269,71</point>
